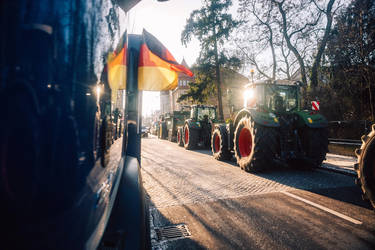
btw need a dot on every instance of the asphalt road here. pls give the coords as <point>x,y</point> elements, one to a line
<point>226,208</point>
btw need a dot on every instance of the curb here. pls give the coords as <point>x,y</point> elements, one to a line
<point>337,169</point>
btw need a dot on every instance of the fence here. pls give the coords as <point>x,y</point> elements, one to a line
<point>348,132</point>
<point>345,142</point>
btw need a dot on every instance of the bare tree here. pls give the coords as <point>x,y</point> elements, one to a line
<point>261,27</point>
<point>290,29</point>
<point>329,15</point>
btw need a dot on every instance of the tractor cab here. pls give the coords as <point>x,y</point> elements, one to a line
<point>276,97</point>
<point>203,113</point>
<point>197,129</point>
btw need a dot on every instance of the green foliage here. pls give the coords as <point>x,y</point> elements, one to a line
<point>211,25</point>
<point>203,86</point>
<point>351,53</point>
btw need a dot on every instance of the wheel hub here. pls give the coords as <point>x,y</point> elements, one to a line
<point>186,136</point>
<point>216,143</point>
<point>245,142</point>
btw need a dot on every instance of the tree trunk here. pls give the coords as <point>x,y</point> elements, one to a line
<point>290,46</point>
<point>218,79</point>
<point>314,70</point>
<point>273,53</point>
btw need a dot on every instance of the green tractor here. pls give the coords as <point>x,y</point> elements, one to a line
<point>365,167</point>
<point>174,120</point>
<point>197,129</point>
<point>272,129</point>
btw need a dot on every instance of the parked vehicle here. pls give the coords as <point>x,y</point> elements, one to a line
<point>144,131</point>
<point>272,129</point>
<point>56,189</point>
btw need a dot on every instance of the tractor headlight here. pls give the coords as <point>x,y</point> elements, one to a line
<point>248,96</point>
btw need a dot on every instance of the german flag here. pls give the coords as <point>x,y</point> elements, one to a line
<point>157,68</point>
<point>117,65</point>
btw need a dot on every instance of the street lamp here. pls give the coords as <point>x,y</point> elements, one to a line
<point>252,75</point>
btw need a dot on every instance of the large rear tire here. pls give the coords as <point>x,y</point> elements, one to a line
<point>180,141</point>
<point>365,166</point>
<point>219,144</point>
<point>255,146</point>
<point>315,145</point>
<point>190,137</point>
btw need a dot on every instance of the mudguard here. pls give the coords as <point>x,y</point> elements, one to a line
<point>263,118</point>
<point>311,119</point>
<point>193,124</point>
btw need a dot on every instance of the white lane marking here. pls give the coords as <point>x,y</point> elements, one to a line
<point>342,216</point>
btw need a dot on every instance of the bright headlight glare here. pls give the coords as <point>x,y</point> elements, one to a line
<point>98,90</point>
<point>249,94</point>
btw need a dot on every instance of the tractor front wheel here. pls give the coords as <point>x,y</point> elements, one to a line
<point>190,137</point>
<point>219,144</point>
<point>255,146</point>
<point>180,141</point>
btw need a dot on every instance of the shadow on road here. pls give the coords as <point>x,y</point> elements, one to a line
<point>207,231</point>
<point>158,220</point>
<point>241,223</point>
<point>309,180</point>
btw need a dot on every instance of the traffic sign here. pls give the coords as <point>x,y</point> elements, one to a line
<point>315,105</point>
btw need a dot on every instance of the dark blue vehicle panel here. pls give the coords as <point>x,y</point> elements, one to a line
<point>56,189</point>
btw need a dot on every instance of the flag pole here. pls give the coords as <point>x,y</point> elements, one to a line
<point>133,105</point>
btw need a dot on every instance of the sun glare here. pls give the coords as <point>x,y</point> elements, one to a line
<point>150,102</point>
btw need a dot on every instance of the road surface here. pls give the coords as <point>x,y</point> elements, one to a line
<point>223,207</point>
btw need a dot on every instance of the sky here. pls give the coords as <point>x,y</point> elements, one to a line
<point>165,20</point>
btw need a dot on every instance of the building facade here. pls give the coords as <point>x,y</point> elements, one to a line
<point>233,84</point>
<point>232,90</point>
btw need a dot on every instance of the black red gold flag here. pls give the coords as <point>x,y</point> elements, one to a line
<point>117,65</point>
<point>157,68</point>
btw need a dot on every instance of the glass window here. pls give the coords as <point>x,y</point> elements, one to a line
<point>281,97</point>
<point>207,111</point>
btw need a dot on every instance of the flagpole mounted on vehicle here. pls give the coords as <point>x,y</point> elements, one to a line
<point>134,99</point>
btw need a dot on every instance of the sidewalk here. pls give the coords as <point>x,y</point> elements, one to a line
<point>340,163</point>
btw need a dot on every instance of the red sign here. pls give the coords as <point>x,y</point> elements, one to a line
<point>315,105</point>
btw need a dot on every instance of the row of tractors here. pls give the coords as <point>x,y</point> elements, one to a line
<point>271,130</point>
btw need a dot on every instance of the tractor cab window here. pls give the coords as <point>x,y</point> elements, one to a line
<point>281,98</point>
<point>192,113</point>
<point>206,111</point>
